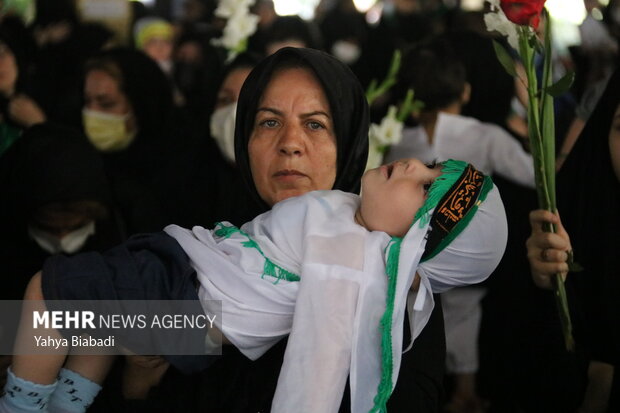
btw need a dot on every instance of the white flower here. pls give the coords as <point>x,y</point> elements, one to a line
<point>389,132</point>
<point>497,21</point>
<point>227,8</point>
<point>375,157</point>
<point>238,28</point>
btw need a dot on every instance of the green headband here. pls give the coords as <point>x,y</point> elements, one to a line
<point>456,201</point>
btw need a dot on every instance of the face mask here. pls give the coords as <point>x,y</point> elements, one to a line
<point>223,130</point>
<point>70,243</point>
<point>346,52</point>
<point>107,133</point>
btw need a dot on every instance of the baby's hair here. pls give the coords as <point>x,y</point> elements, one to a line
<point>451,170</point>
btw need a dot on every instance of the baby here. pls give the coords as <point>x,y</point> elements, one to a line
<point>324,268</point>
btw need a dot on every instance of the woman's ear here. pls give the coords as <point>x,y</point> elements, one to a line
<point>466,95</point>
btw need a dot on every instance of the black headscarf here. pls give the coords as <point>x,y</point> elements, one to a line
<point>347,103</point>
<point>146,87</point>
<point>57,164</point>
<point>150,95</point>
<point>589,203</point>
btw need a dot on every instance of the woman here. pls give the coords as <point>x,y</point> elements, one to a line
<point>289,140</point>
<point>589,203</point>
<point>276,165</point>
<point>128,116</point>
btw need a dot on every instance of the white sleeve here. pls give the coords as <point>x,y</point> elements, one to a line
<point>508,158</point>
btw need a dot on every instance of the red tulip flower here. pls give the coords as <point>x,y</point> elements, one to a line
<point>523,12</point>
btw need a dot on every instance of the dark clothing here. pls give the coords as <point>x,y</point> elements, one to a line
<point>49,165</point>
<point>589,201</point>
<point>145,267</point>
<point>395,31</point>
<point>200,187</point>
<point>177,392</point>
<point>57,77</point>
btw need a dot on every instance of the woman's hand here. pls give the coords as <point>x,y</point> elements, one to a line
<point>596,398</point>
<point>547,252</point>
<point>25,111</point>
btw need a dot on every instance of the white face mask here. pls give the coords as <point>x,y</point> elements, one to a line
<point>223,130</point>
<point>346,52</point>
<point>107,132</point>
<point>70,243</point>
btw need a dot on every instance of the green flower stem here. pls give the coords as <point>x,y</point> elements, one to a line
<point>375,91</point>
<point>542,143</point>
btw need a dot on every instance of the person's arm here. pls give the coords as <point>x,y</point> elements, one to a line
<point>547,252</point>
<point>508,158</point>
<point>596,398</point>
<point>569,141</point>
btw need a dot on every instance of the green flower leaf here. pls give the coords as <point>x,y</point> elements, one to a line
<point>505,59</point>
<point>562,85</point>
<point>407,107</point>
<point>374,91</point>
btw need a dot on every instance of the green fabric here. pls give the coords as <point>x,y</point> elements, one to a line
<point>270,268</point>
<point>384,390</point>
<point>8,135</point>
<point>462,224</point>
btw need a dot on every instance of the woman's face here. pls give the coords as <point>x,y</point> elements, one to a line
<point>614,142</point>
<point>102,93</point>
<point>231,87</point>
<point>292,147</point>
<point>8,70</point>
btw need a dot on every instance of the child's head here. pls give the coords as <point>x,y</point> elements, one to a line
<point>392,195</point>
<point>155,37</point>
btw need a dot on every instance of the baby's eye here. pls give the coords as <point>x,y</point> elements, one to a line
<point>315,125</point>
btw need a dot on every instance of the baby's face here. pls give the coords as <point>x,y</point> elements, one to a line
<point>392,194</point>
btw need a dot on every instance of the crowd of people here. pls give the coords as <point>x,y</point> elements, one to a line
<point>102,141</point>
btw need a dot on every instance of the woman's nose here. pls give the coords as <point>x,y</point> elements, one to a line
<point>291,141</point>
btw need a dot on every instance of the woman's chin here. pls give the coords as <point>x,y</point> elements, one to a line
<point>287,193</point>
